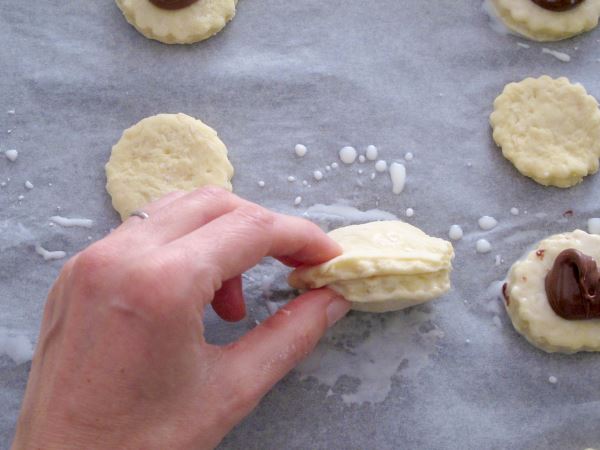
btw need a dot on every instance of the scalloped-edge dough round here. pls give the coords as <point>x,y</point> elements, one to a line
<point>197,22</point>
<point>549,129</point>
<point>528,306</point>
<point>536,23</point>
<point>162,154</point>
<point>385,266</point>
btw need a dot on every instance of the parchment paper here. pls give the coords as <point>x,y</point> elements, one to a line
<point>404,75</point>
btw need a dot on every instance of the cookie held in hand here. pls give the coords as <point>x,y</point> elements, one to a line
<point>385,266</point>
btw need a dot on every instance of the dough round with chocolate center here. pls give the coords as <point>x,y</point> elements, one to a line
<point>385,266</point>
<point>527,302</point>
<point>529,19</point>
<point>162,154</point>
<point>549,129</point>
<point>183,25</point>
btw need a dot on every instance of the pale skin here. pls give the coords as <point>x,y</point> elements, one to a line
<point>121,360</point>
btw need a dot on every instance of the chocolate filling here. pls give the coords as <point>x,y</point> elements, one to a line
<point>572,286</point>
<point>558,5</point>
<point>172,4</point>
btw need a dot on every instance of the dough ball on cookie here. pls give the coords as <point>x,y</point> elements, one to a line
<point>527,294</point>
<point>162,154</point>
<point>178,21</point>
<point>385,266</point>
<point>548,20</point>
<point>549,129</point>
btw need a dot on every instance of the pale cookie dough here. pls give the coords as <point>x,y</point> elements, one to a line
<point>534,22</point>
<point>527,303</point>
<point>385,266</point>
<point>162,154</point>
<point>549,129</point>
<point>194,23</point>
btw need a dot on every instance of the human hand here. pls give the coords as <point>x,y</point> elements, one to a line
<point>122,361</point>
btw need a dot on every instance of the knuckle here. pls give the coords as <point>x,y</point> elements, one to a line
<point>256,215</point>
<point>98,256</point>
<point>91,267</point>
<point>213,194</point>
<point>210,278</point>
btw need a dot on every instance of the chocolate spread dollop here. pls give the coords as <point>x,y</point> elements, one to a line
<point>558,5</point>
<point>573,286</point>
<point>172,4</point>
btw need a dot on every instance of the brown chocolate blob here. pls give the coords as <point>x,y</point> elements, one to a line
<point>172,4</point>
<point>558,5</point>
<point>573,286</point>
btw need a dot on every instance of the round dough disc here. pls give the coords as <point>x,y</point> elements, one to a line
<point>384,266</point>
<point>534,22</point>
<point>549,129</point>
<point>527,303</point>
<point>162,154</point>
<point>194,23</point>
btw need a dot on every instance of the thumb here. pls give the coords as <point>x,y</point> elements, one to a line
<point>255,363</point>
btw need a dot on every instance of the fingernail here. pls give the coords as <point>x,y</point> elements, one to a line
<point>337,308</point>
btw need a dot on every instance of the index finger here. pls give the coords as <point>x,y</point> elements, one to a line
<point>237,241</point>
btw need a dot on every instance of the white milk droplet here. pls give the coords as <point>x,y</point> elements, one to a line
<point>327,168</point>
<point>318,175</point>
<point>66,222</point>
<point>346,214</point>
<point>361,158</point>
<point>410,212</point>
<point>455,233</point>
<point>348,155</point>
<point>483,246</point>
<point>558,55</point>
<point>11,155</point>
<point>381,166</point>
<point>29,184</point>
<point>552,379</point>
<point>272,307</point>
<point>372,153</point>
<point>334,165</point>
<point>398,175</point>
<point>48,255</point>
<point>300,150</point>
<point>409,156</point>
<point>297,200</point>
<point>291,178</point>
<point>17,347</point>
<point>261,183</point>
<point>514,211</point>
<point>373,176</point>
<point>594,225</point>
<point>487,223</point>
